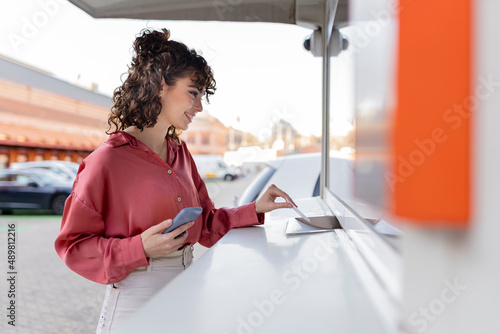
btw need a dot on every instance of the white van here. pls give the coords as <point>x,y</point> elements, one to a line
<point>212,166</point>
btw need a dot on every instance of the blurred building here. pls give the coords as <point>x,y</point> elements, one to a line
<point>284,137</point>
<point>238,138</point>
<point>206,135</point>
<point>287,140</point>
<point>309,144</point>
<point>44,118</point>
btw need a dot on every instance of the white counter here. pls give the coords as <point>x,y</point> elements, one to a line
<point>258,280</point>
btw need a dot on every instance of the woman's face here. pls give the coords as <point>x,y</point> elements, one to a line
<point>180,103</point>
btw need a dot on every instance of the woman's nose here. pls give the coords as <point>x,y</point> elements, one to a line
<point>198,106</point>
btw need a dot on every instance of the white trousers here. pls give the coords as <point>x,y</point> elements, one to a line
<point>124,298</point>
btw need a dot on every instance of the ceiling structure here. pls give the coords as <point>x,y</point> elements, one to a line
<point>308,13</point>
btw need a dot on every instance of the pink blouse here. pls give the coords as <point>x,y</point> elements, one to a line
<point>122,189</point>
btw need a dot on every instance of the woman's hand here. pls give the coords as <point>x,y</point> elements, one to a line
<point>267,202</point>
<point>156,244</point>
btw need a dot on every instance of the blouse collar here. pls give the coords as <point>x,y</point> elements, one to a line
<point>124,138</point>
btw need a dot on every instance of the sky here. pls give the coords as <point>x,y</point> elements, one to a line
<point>263,73</point>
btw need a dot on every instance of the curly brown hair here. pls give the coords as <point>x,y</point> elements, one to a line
<point>137,101</point>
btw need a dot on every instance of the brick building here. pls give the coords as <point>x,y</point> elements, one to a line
<point>44,118</point>
<point>206,135</point>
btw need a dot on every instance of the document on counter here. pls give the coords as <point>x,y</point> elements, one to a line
<point>323,224</point>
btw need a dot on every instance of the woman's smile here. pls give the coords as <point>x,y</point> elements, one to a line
<point>189,116</point>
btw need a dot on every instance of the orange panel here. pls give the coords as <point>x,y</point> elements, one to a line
<point>431,171</point>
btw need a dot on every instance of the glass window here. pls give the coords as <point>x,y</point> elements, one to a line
<point>22,180</point>
<point>205,139</point>
<point>361,107</point>
<point>342,125</point>
<point>4,159</point>
<point>46,176</point>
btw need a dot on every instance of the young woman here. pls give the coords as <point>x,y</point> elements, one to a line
<point>129,189</point>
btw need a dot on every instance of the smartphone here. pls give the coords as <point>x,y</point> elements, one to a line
<point>186,215</point>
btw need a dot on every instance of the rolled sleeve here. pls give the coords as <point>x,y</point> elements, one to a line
<point>246,215</point>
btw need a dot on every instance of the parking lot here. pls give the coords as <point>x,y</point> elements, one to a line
<point>50,298</point>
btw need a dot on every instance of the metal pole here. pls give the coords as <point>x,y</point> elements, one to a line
<point>325,138</point>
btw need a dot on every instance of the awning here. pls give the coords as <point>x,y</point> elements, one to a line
<point>309,13</point>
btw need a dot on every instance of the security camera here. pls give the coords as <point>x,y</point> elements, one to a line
<point>313,43</point>
<point>307,44</point>
<point>338,43</point>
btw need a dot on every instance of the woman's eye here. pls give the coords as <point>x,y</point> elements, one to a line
<point>195,94</point>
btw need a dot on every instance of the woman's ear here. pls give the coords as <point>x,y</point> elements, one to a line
<point>164,87</point>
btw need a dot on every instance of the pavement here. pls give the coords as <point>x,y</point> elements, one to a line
<point>50,298</point>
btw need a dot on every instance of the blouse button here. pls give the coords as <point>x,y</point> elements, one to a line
<point>169,171</point>
<point>178,199</point>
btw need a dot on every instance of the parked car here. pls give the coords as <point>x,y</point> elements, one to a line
<point>33,188</point>
<point>299,176</point>
<point>66,169</point>
<point>296,174</point>
<point>212,166</point>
